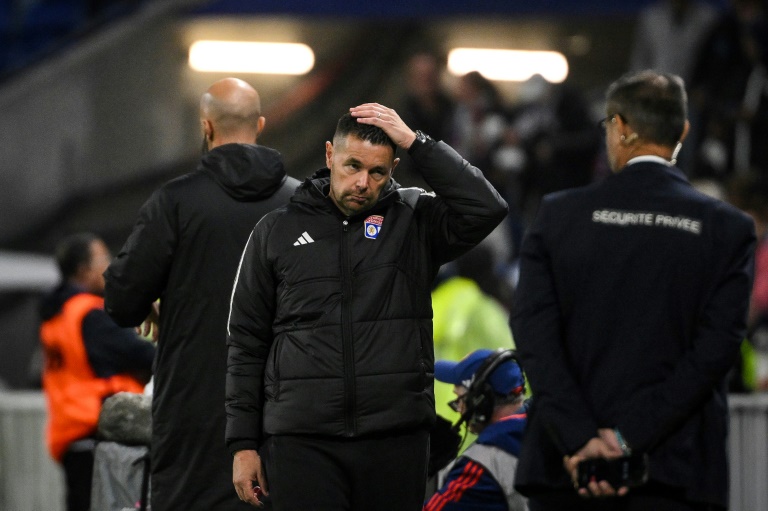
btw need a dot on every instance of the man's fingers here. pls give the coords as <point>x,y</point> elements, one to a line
<point>247,470</point>
<point>372,112</point>
<point>598,489</point>
<point>262,481</point>
<point>605,489</point>
<point>245,492</point>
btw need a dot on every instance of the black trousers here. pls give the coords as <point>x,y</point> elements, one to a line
<point>308,473</point>
<point>651,497</point>
<point>78,473</point>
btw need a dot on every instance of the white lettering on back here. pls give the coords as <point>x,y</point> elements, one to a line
<point>645,218</point>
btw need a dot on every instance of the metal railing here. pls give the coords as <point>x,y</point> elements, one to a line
<point>748,452</point>
<point>31,481</point>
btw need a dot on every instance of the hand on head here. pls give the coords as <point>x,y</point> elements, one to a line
<point>386,119</point>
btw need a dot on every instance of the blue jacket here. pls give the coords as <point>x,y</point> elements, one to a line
<point>481,478</point>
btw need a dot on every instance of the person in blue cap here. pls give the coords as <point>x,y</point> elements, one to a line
<point>490,393</point>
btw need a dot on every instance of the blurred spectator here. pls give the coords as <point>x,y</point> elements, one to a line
<point>479,125</point>
<point>490,389</point>
<point>469,312</point>
<point>750,193</point>
<point>669,35</point>
<point>87,359</point>
<point>729,91</point>
<point>479,120</point>
<point>426,107</point>
<point>554,127</point>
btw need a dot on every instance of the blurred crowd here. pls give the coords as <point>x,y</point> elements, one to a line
<point>546,138</point>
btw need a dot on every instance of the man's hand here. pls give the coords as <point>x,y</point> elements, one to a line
<point>386,119</point>
<point>151,324</point>
<point>246,468</point>
<point>609,437</point>
<point>595,448</point>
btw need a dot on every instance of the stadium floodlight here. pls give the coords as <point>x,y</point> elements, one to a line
<point>251,57</point>
<point>508,65</point>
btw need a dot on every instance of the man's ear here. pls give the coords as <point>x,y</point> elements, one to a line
<point>208,129</point>
<point>328,153</point>
<point>260,125</point>
<point>394,164</point>
<point>627,136</point>
<point>686,129</point>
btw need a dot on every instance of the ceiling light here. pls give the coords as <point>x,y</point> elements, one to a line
<point>251,57</point>
<point>508,65</point>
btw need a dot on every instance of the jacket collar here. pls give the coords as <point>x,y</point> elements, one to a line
<point>314,192</point>
<point>652,167</point>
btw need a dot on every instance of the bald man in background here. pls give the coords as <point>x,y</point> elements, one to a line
<point>184,250</point>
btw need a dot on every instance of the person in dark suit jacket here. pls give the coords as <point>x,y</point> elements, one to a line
<point>632,304</point>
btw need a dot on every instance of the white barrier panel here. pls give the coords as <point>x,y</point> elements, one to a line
<point>29,479</point>
<point>748,452</point>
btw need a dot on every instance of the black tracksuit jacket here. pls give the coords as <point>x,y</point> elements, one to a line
<point>184,249</point>
<point>330,329</point>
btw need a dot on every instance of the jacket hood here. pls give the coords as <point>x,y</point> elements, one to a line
<point>506,433</point>
<point>247,172</point>
<point>314,190</point>
<point>52,303</point>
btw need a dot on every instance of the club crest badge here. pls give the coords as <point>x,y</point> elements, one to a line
<point>373,226</point>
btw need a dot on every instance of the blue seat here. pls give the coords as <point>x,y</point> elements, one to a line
<point>55,15</point>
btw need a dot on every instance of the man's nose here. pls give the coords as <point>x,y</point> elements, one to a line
<point>362,181</point>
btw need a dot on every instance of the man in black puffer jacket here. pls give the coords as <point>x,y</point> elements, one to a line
<point>184,250</point>
<point>330,369</point>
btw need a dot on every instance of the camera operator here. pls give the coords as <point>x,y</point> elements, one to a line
<point>490,389</point>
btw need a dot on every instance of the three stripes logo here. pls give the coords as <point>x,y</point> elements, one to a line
<point>303,239</point>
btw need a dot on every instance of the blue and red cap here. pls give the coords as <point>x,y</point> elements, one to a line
<point>505,379</point>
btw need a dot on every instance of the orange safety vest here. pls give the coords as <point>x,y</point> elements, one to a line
<point>74,394</point>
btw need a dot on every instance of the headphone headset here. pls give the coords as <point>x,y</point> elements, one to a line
<point>480,398</point>
<point>629,139</point>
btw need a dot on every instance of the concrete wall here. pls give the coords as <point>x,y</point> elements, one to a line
<point>106,108</point>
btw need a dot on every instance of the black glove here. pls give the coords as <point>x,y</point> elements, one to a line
<point>444,443</point>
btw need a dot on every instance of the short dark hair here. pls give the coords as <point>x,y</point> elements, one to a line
<point>73,252</point>
<point>654,104</point>
<point>348,125</point>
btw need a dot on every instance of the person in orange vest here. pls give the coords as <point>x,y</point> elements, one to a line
<point>87,359</point>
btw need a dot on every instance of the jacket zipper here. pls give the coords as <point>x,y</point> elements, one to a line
<point>346,333</point>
